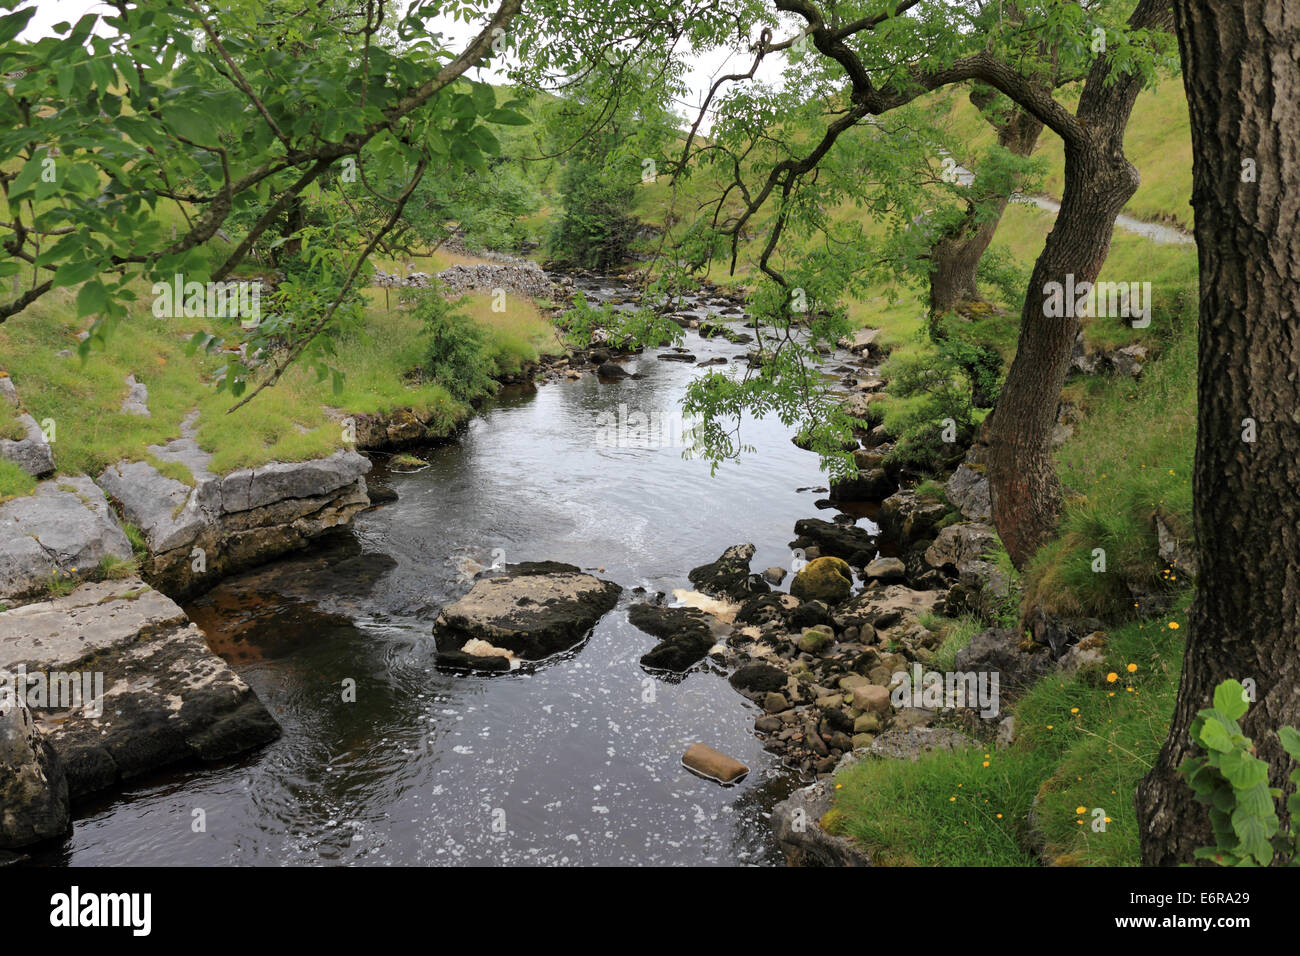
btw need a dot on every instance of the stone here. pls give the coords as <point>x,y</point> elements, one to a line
<point>968,491</point>
<point>958,545</point>
<point>31,453</point>
<point>137,398</point>
<point>850,543</point>
<point>825,579</point>
<point>909,744</point>
<point>775,702</point>
<point>815,638</point>
<point>906,517</point>
<point>63,528</point>
<point>167,698</point>
<point>885,569</point>
<point>867,724</point>
<point>997,650</point>
<point>33,783</point>
<point>535,610</point>
<point>1178,553</point>
<point>685,635</point>
<point>768,724</point>
<point>707,762</point>
<point>757,677</point>
<point>774,576</point>
<point>243,519</point>
<point>612,371</point>
<point>872,698</point>
<point>862,740</point>
<point>796,825</point>
<point>729,575</point>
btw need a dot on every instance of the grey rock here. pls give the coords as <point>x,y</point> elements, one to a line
<point>65,524</point>
<point>32,453</point>
<point>905,517</point>
<point>137,398</point>
<point>885,569</point>
<point>33,785</point>
<point>960,544</point>
<point>534,610</point>
<point>968,490</point>
<point>997,650</point>
<point>796,824</point>
<point>166,697</point>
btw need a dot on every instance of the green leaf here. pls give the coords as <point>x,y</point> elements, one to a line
<point>92,298</point>
<point>508,118</point>
<point>13,24</point>
<point>191,124</point>
<point>1290,741</point>
<point>1215,736</point>
<point>30,172</point>
<point>1243,770</point>
<point>1253,833</point>
<point>1230,699</point>
<point>73,273</point>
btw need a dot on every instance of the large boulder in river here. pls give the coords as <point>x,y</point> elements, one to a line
<point>729,576</point>
<point>685,635</point>
<point>33,786</point>
<point>158,696</point>
<point>855,545</point>
<point>823,579</point>
<point>535,609</point>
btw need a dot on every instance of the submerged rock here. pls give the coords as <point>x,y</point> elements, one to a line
<point>729,576</point>
<point>166,697</point>
<point>685,635</point>
<point>855,545</point>
<point>535,610</point>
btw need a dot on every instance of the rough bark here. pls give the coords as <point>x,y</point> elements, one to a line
<point>1242,78</point>
<point>1099,180</point>
<point>955,256</point>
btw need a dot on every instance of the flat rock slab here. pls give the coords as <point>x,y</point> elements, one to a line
<point>535,610</point>
<point>65,524</point>
<point>166,697</point>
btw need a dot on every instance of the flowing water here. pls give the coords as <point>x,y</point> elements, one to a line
<point>576,762</point>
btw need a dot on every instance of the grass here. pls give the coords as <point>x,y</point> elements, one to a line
<point>14,482</point>
<point>1081,742</point>
<point>289,422</point>
<point>1129,460</point>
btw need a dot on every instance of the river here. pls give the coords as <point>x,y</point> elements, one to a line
<point>576,762</point>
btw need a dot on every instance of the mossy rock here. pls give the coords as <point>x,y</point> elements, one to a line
<point>814,640</point>
<point>824,579</point>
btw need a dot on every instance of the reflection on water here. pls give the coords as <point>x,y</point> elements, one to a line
<point>384,759</point>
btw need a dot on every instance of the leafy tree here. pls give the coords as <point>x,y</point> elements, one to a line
<point>213,110</point>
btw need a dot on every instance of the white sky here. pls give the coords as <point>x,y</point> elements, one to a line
<point>705,68</point>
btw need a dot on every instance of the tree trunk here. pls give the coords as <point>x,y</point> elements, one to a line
<point>1099,180</point>
<point>1243,91</point>
<point>955,256</point>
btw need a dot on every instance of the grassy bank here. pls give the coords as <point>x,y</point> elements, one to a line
<point>1082,743</point>
<point>289,422</point>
